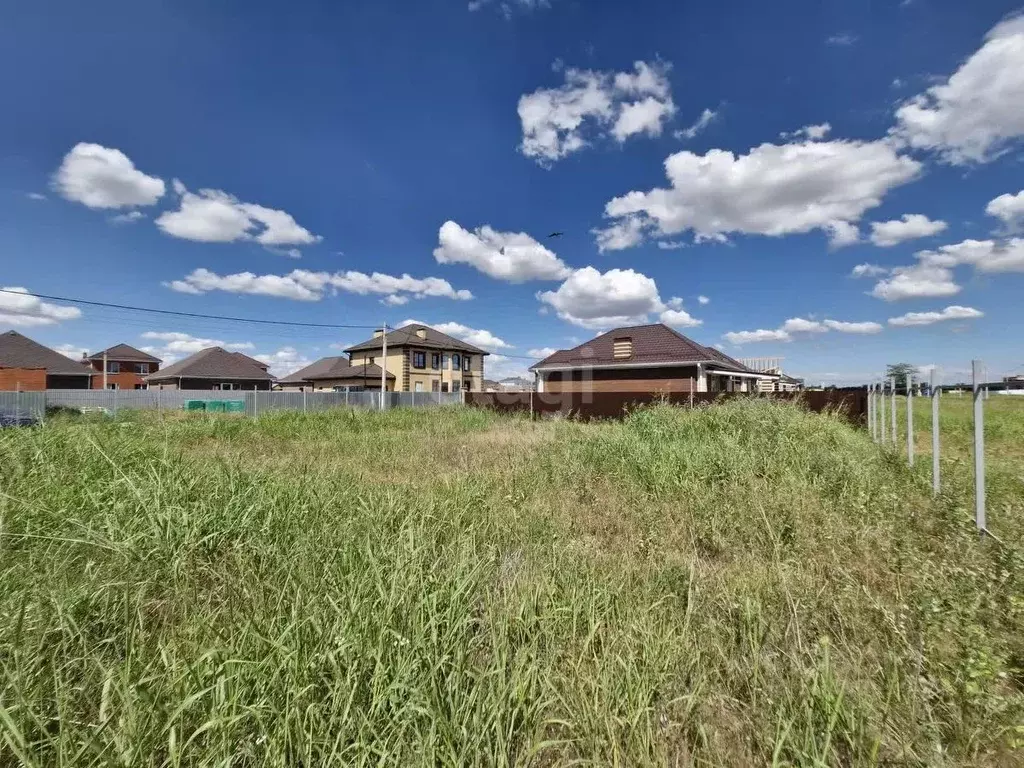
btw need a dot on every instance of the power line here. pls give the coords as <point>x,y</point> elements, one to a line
<point>182,314</point>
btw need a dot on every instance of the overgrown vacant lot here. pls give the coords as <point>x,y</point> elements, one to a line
<point>747,584</point>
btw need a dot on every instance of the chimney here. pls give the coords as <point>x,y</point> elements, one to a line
<point>421,332</point>
<point>378,333</point>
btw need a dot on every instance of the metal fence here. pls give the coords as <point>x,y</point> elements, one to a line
<point>33,405</point>
<point>883,406</point>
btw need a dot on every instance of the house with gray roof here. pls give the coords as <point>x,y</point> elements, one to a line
<point>213,368</point>
<point>26,365</point>
<point>334,374</point>
<point>644,358</point>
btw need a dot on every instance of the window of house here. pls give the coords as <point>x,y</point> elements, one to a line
<point>371,360</point>
<point>418,387</point>
<point>456,362</point>
<point>467,363</point>
<point>419,359</point>
<point>435,386</point>
<point>111,386</point>
<point>444,386</point>
<point>142,386</point>
<point>113,367</point>
<point>142,368</point>
<point>435,360</point>
<point>456,386</point>
<point>227,385</point>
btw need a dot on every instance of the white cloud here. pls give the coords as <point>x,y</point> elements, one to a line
<point>35,196</point>
<point>70,350</point>
<point>624,234</point>
<point>176,345</point>
<point>844,327</point>
<point>869,270</point>
<point>773,190</point>
<point>541,352</point>
<point>18,308</point>
<point>213,216</point>
<point>284,361</point>
<point>100,177</point>
<point>842,234</point>
<point>983,255</point>
<point>665,245</point>
<point>975,115</point>
<point>754,337</point>
<point>127,218</point>
<point>843,39</point>
<point>559,121</point>
<point>303,285</point>
<point>512,256</point>
<point>703,300</point>
<point>395,300</point>
<point>800,325</point>
<point>478,337</point>
<point>928,318</point>
<point>498,367</point>
<point>811,132</point>
<point>707,117</point>
<point>911,226</point>
<point>914,282</point>
<point>679,318</point>
<point>509,7</point>
<point>1009,209</point>
<point>593,299</point>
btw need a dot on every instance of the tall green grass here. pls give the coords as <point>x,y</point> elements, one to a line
<point>747,584</point>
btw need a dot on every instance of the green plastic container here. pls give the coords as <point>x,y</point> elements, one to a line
<point>216,406</point>
<point>234,406</point>
<point>195,405</point>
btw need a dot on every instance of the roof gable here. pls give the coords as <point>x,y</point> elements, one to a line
<point>214,363</point>
<point>406,337</point>
<point>125,353</point>
<point>333,368</point>
<point>17,351</point>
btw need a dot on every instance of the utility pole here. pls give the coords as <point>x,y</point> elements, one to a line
<point>384,366</point>
<point>104,369</point>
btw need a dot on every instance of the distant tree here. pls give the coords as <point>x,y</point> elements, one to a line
<point>900,371</point>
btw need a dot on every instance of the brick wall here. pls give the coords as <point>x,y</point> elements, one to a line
<point>25,379</point>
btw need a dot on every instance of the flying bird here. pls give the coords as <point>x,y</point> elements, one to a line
<point>556,234</point>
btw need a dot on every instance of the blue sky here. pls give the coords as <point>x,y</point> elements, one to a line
<point>295,161</point>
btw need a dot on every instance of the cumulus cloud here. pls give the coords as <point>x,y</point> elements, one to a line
<point>541,352</point>
<point>869,270</point>
<point>975,115</point>
<point>753,337</point>
<point>983,255</point>
<point>598,300</point>
<point>916,282</point>
<point>214,216</point>
<point>844,327</point>
<point>35,196</point>
<point>478,337</point>
<point>284,361</point>
<point>509,7</point>
<point>703,300</point>
<point>842,233</point>
<point>800,325</point>
<point>19,308</point>
<point>811,132</point>
<point>175,345</point>
<point>910,227</point>
<point>512,256</point>
<point>797,326</point>
<point>1009,209</point>
<point>625,234</point>
<point>559,121</point>
<point>929,318</point>
<point>127,218</point>
<point>707,117</point>
<point>304,285</point>
<point>772,190</point>
<point>101,177</point>
<point>842,39</point>
<point>665,245</point>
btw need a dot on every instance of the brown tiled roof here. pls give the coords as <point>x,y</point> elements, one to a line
<point>17,351</point>
<point>406,336</point>
<point>125,353</point>
<point>214,363</point>
<point>655,343</point>
<point>330,368</point>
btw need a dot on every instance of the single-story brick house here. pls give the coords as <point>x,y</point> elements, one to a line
<point>213,368</point>
<point>26,365</point>
<point>335,374</point>
<point>127,367</point>
<point>644,358</point>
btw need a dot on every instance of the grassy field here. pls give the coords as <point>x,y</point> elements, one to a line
<point>747,584</point>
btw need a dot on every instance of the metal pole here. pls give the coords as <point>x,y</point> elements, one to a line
<point>910,420</point>
<point>104,369</point>
<point>979,446</point>
<point>17,402</point>
<point>873,411</point>
<point>935,435</point>
<point>881,412</point>
<point>892,409</point>
<point>303,399</point>
<point>384,366</point>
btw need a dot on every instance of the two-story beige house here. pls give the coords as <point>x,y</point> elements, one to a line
<point>423,359</point>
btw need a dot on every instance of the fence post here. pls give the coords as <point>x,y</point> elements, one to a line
<point>979,446</point>
<point>303,399</point>
<point>881,412</point>
<point>892,409</point>
<point>910,420</point>
<point>935,435</point>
